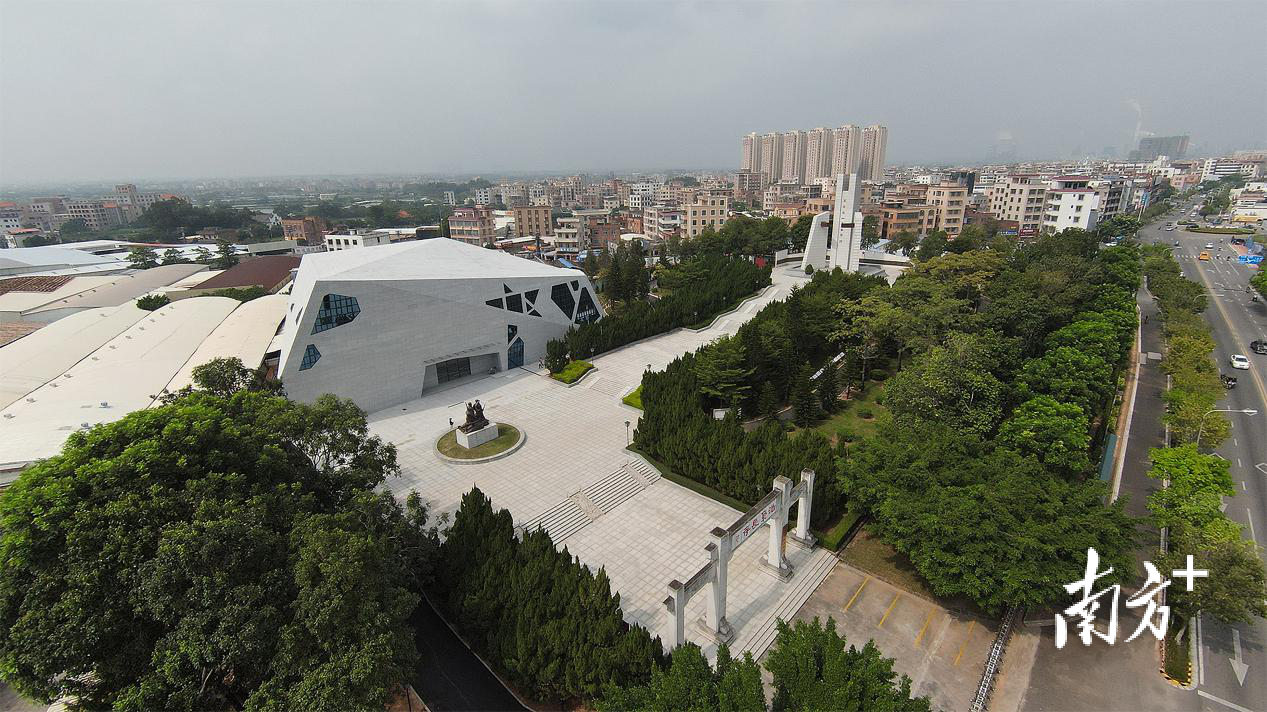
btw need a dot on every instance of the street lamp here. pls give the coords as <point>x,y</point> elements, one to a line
<point>627,433</point>
<point>1201,426</point>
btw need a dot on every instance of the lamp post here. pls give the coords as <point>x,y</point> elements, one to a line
<point>1201,426</point>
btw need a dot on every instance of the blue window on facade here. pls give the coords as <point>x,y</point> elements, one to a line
<point>515,303</point>
<point>562,297</point>
<point>511,330</point>
<point>515,354</point>
<point>336,310</point>
<point>311,355</point>
<point>586,312</point>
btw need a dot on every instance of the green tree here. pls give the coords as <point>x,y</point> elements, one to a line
<point>1236,588</point>
<point>828,388</point>
<point>767,401</point>
<point>806,406</point>
<point>142,258</point>
<point>720,368</point>
<point>689,683</point>
<point>152,302</point>
<point>202,255</point>
<point>75,227</point>
<point>1056,433</point>
<point>798,234</point>
<point>1069,375</point>
<point>951,384</point>
<point>870,231</point>
<point>158,563</point>
<point>933,245</point>
<point>174,257</point>
<point>226,255</point>
<point>905,241</point>
<point>556,355</point>
<point>1259,281</point>
<point>1198,484</point>
<point>815,669</point>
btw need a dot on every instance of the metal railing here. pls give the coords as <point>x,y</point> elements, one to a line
<point>994,659</point>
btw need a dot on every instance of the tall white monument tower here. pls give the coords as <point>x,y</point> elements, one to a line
<point>835,239</point>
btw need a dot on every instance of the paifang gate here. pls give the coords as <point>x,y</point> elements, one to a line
<point>772,512</point>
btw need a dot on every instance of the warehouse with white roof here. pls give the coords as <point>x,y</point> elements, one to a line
<point>382,324</point>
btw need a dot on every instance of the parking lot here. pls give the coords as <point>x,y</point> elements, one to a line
<point>942,651</point>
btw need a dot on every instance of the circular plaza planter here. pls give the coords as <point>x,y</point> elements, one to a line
<point>509,439</point>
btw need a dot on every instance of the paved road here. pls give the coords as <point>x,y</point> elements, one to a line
<point>1235,320</point>
<point>449,676</point>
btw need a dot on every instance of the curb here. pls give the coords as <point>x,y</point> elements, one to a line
<point>573,383</point>
<point>479,460</point>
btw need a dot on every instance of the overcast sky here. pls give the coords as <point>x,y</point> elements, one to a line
<point>128,89</point>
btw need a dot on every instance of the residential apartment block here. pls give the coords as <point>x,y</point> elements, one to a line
<point>951,200</point>
<point>874,143</point>
<point>1021,198</point>
<point>532,220</point>
<point>310,229</point>
<point>472,224</point>
<point>708,211</point>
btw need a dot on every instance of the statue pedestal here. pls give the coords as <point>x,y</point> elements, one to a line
<point>475,438</point>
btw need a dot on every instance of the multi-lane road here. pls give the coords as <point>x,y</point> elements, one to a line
<point>1231,665</point>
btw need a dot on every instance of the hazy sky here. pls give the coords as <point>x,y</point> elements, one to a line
<point>128,89</point>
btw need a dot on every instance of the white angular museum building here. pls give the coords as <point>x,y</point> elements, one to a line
<point>382,325</point>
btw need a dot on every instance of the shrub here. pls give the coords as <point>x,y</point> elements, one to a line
<point>866,413</point>
<point>150,302</point>
<point>809,269</point>
<point>878,374</point>
<point>846,435</point>
<point>573,371</point>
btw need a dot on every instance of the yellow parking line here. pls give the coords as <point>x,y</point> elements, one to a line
<point>890,610</point>
<point>921,630</point>
<point>966,638</point>
<point>855,593</point>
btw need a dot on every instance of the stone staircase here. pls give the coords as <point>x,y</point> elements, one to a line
<point>804,580</point>
<point>611,491</point>
<point>560,521</point>
<point>578,510</point>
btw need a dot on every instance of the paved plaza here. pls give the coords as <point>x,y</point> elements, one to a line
<point>574,478</point>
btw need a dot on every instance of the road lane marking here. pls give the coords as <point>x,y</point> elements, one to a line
<point>1231,705</point>
<point>1238,462</point>
<point>1200,655</point>
<point>966,638</point>
<point>885,617</point>
<point>1251,525</point>
<point>1261,467</point>
<point>1243,488</point>
<point>855,593</point>
<point>924,628</point>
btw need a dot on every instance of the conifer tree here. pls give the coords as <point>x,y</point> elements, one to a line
<point>828,388</point>
<point>806,406</point>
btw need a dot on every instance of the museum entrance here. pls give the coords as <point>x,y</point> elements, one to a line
<point>453,369</point>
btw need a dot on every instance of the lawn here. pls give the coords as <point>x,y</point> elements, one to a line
<point>634,399</point>
<point>850,418</point>
<point>572,372</point>
<point>507,435</point>
<point>871,554</point>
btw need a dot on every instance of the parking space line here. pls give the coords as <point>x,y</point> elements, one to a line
<point>885,617</point>
<point>855,593</point>
<point>966,638</point>
<point>924,628</point>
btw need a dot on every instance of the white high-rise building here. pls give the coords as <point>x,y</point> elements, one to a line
<point>818,154</point>
<point>846,145</point>
<point>772,157</point>
<point>794,157</point>
<point>751,159</point>
<point>875,140</point>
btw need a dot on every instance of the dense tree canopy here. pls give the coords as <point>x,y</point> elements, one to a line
<point>216,552</point>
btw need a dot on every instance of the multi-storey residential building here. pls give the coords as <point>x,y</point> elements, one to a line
<point>1216,168</point>
<point>794,143</point>
<point>772,157</point>
<point>135,203</point>
<point>660,222</point>
<point>846,145</point>
<point>309,229</point>
<point>10,216</point>
<point>472,224</point>
<point>450,198</point>
<point>97,214</point>
<point>1153,146</point>
<point>1071,202</point>
<point>951,200</point>
<point>708,211</point>
<point>532,220</point>
<point>751,157</point>
<point>875,141</point>
<point>819,143</point>
<point>1021,198</point>
<point>748,185</point>
<point>483,196</point>
<point>899,217</point>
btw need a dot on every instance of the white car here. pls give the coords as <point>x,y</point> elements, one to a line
<point>1240,361</point>
<point>1209,245</point>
